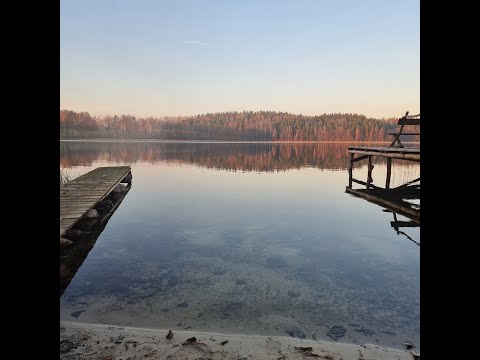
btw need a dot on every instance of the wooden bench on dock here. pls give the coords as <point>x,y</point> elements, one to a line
<point>404,121</point>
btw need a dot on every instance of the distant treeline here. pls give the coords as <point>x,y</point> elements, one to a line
<point>246,125</point>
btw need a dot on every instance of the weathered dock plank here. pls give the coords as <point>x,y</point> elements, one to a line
<point>83,193</point>
<point>391,149</point>
<point>403,153</point>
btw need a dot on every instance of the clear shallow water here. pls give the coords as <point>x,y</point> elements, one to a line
<point>246,238</point>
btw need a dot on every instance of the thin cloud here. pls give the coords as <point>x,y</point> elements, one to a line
<point>195,42</point>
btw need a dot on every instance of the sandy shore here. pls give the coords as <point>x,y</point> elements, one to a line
<point>104,342</point>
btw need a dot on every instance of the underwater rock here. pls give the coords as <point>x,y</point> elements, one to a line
<point>66,346</point>
<point>76,314</point>
<point>336,332</point>
<point>296,334</point>
<point>365,331</point>
<point>170,334</point>
<point>293,294</point>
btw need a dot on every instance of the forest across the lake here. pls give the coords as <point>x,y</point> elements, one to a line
<point>242,126</point>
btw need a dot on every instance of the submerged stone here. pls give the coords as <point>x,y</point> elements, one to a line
<point>336,332</point>
<point>296,333</point>
<point>76,314</point>
<point>293,294</point>
<point>365,331</point>
<point>66,346</point>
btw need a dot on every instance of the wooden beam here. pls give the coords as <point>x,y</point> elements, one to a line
<point>399,224</point>
<point>360,158</point>
<point>397,155</point>
<point>386,149</point>
<point>397,137</point>
<point>408,121</point>
<point>365,184</point>
<point>406,184</point>
<point>389,173</point>
<point>350,171</point>
<point>406,134</point>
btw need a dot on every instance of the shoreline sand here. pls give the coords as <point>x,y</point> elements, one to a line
<point>109,342</point>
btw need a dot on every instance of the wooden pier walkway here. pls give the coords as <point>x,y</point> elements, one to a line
<point>83,193</point>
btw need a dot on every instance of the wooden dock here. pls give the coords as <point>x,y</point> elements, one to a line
<point>83,193</point>
<point>84,235</point>
<point>396,150</point>
<point>391,199</point>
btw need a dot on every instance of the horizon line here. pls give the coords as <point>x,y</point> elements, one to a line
<point>98,114</point>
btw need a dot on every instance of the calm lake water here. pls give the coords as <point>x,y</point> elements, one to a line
<point>247,238</point>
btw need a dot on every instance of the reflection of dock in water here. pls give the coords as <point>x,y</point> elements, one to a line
<point>79,238</point>
<point>395,201</point>
<point>401,200</point>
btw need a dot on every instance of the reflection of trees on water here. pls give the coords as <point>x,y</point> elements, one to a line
<point>231,156</point>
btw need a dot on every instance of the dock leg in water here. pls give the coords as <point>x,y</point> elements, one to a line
<point>389,173</point>
<point>369,176</point>
<point>350,171</point>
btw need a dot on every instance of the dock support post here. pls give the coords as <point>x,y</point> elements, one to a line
<point>389,173</point>
<point>350,171</point>
<point>369,176</point>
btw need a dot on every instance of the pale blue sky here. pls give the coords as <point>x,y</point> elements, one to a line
<point>183,57</point>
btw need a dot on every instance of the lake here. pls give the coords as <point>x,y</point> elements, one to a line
<point>252,238</point>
